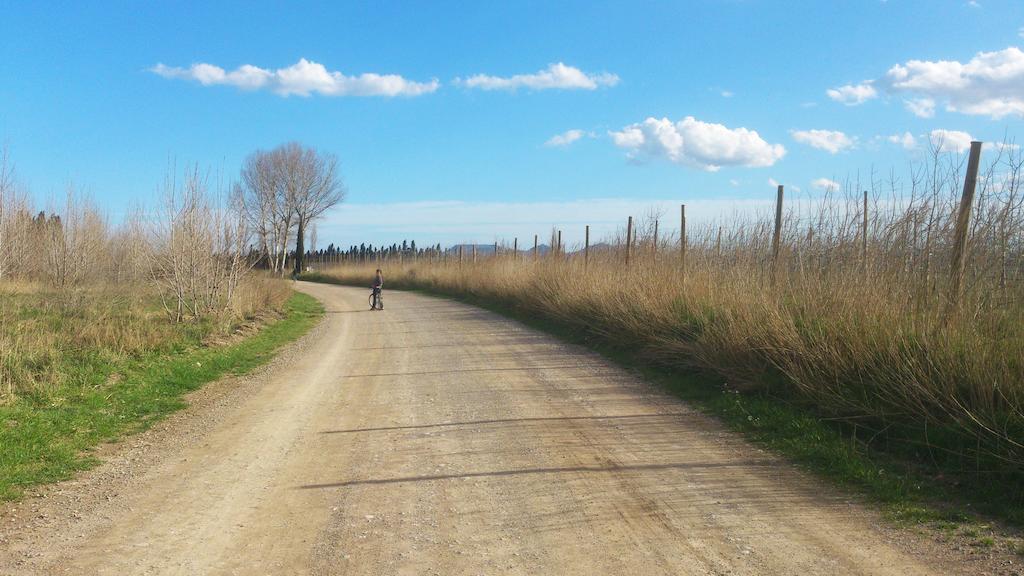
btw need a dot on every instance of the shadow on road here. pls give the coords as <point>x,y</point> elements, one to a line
<point>429,372</point>
<point>526,471</point>
<point>502,421</point>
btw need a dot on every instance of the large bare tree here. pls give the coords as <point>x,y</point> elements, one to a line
<point>285,190</point>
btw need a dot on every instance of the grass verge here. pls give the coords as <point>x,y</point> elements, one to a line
<point>43,440</point>
<point>909,492</point>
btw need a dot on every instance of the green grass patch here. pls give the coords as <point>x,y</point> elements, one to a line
<point>47,438</point>
<point>909,489</point>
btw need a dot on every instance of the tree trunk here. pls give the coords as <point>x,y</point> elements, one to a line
<point>300,246</point>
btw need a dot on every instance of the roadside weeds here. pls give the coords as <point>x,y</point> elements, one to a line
<point>47,443</point>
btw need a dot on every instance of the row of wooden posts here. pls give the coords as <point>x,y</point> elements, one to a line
<point>959,240</point>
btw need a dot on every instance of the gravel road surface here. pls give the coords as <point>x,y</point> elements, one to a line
<point>437,438</point>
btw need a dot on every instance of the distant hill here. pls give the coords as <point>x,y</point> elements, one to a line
<point>489,249</point>
<point>599,247</point>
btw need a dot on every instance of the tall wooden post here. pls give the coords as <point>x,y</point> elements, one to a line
<point>586,248</point>
<point>682,238</point>
<point>864,234</point>
<point>460,255</point>
<point>559,251</point>
<point>495,248</point>
<point>629,238</point>
<point>515,248</point>
<point>474,253</point>
<point>654,245</point>
<point>534,246</point>
<point>963,221</point>
<point>777,235</point>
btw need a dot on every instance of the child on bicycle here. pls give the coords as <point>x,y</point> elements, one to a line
<point>378,284</point>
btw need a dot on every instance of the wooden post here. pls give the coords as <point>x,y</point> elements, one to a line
<point>654,245</point>
<point>534,246</point>
<point>777,235</point>
<point>682,238</point>
<point>460,255</point>
<point>864,233</point>
<point>586,248</point>
<point>559,251</point>
<point>629,237</point>
<point>474,253</point>
<point>963,221</point>
<point>495,248</point>
<point>515,248</point>
<point>718,244</point>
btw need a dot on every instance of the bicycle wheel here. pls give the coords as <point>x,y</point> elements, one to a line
<point>372,303</point>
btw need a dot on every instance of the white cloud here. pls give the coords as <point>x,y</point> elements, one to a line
<point>974,4</point>
<point>832,141</point>
<point>697,144</point>
<point>950,140</point>
<point>565,138</point>
<point>727,93</point>
<point>920,107</point>
<point>555,76</point>
<point>906,140</point>
<point>990,84</point>
<point>825,184</point>
<point>773,182</point>
<point>734,182</point>
<point>303,78</point>
<point>853,95</point>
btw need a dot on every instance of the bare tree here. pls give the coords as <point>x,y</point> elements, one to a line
<point>312,237</point>
<point>313,186</point>
<point>283,191</point>
<point>199,249</point>
<point>6,200</point>
<point>75,241</point>
<point>266,206</point>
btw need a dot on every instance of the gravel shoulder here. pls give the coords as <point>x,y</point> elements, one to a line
<point>435,437</point>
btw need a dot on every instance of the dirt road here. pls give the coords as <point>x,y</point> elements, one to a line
<point>436,438</point>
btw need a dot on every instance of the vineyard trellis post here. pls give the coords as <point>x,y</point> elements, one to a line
<point>534,246</point>
<point>864,235</point>
<point>777,235</point>
<point>682,239</point>
<point>586,248</point>
<point>629,237</point>
<point>963,220</point>
<point>654,244</point>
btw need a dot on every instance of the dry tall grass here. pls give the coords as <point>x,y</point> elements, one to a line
<point>75,290</point>
<point>861,325</point>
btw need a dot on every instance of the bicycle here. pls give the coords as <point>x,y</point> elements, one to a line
<point>376,300</point>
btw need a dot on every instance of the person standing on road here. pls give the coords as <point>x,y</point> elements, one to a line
<point>378,284</point>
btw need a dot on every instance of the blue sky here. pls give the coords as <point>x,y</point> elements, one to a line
<point>698,102</point>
